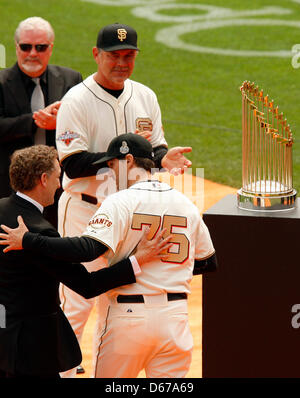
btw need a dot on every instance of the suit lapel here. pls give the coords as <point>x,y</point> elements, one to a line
<point>55,85</point>
<point>15,85</point>
<point>55,92</point>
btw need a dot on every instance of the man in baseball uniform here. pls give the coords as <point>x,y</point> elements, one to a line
<point>103,106</point>
<point>146,322</point>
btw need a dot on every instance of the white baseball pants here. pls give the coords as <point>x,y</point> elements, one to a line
<point>154,336</point>
<point>73,216</point>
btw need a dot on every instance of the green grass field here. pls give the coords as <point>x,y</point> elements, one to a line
<point>198,92</point>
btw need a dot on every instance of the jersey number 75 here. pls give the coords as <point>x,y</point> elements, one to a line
<point>168,222</point>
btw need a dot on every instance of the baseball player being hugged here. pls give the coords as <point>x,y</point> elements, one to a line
<point>146,322</point>
<point>105,105</point>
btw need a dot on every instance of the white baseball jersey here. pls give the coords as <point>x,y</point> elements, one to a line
<point>119,222</point>
<point>89,118</point>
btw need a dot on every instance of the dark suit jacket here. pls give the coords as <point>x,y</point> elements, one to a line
<point>38,339</point>
<point>17,127</point>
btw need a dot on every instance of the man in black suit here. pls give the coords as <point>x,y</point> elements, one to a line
<point>24,120</point>
<point>38,340</point>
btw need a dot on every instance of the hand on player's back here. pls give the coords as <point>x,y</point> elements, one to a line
<point>149,250</point>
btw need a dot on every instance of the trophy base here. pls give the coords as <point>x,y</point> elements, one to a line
<point>263,202</point>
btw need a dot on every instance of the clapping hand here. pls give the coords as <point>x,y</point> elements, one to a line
<point>175,162</point>
<point>46,118</point>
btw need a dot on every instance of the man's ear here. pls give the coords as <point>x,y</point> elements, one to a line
<point>130,159</point>
<point>95,51</point>
<point>44,179</point>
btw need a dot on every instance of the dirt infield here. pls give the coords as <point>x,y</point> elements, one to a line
<point>211,193</point>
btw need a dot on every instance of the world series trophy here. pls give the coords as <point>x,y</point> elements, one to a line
<point>267,168</point>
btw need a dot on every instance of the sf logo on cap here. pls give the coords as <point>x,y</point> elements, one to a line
<point>122,33</point>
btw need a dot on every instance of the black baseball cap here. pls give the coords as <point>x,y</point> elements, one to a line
<point>117,37</point>
<point>120,146</point>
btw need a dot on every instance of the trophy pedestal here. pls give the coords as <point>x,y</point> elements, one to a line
<point>266,202</point>
<point>250,322</point>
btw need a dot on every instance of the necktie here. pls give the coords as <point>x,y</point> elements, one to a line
<point>38,102</point>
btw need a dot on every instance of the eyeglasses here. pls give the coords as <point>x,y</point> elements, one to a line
<point>40,48</point>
